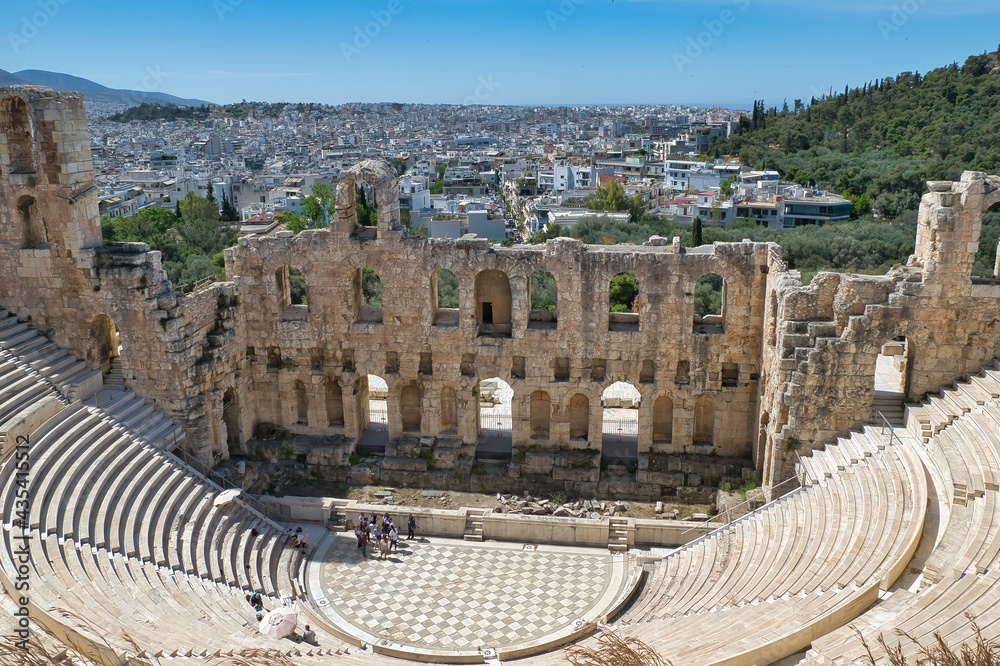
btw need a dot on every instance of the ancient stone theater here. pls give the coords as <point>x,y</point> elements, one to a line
<point>866,406</point>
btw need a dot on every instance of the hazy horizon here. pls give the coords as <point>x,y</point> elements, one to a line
<point>506,52</point>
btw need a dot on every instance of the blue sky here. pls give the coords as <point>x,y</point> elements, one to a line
<point>493,51</point>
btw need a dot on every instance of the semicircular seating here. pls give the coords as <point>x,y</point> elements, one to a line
<point>957,433</point>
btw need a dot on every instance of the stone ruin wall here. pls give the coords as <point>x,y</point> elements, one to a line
<point>328,347</point>
<point>804,355</point>
<point>821,350</point>
<point>56,272</point>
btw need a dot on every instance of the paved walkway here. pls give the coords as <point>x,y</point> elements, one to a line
<point>446,594</point>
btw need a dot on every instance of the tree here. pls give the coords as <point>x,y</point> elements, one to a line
<point>624,293</point>
<point>696,239</point>
<point>320,207</point>
<point>229,212</point>
<point>211,192</point>
<point>292,221</point>
<point>726,186</point>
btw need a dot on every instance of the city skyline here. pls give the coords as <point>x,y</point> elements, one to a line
<point>515,52</point>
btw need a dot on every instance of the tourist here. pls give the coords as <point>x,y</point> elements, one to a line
<point>411,526</point>
<point>384,547</point>
<point>364,544</point>
<point>256,599</point>
<point>393,537</point>
<point>303,540</point>
<point>357,533</point>
<point>309,636</point>
<point>293,540</point>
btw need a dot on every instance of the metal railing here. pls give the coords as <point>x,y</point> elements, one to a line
<point>620,427</point>
<point>893,437</point>
<point>728,512</point>
<point>194,287</point>
<point>222,482</point>
<point>495,422</point>
<point>378,417</point>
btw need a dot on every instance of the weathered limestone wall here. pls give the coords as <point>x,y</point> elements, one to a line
<point>56,272</point>
<point>822,355</point>
<point>786,367</point>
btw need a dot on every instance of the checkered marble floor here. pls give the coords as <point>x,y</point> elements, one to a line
<point>456,595</point>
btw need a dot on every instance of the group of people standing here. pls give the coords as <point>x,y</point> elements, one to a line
<point>381,533</point>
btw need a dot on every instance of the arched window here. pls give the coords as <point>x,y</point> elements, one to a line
<point>704,420</point>
<point>709,304</point>
<point>449,411</point>
<point>32,224</point>
<point>540,414</point>
<point>300,402</point>
<point>334,404</point>
<point>15,123</point>
<point>410,408</point>
<point>543,296</point>
<point>623,303</point>
<point>493,304</point>
<point>369,296</point>
<point>663,419</point>
<point>444,296</point>
<point>579,416</point>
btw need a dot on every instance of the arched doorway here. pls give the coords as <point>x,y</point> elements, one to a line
<point>231,419</point>
<point>620,432</point>
<point>495,420</point>
<point>375,436</point>
<point>102,346</point>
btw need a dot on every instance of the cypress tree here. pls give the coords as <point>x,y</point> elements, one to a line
<point>696,239</point>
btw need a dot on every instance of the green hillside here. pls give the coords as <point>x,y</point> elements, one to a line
<point>883,140</point>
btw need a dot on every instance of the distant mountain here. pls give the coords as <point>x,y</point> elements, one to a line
<point>8,79</point>
<point>92,92</point>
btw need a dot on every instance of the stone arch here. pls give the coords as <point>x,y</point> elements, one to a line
<point>300,403</point>
<point>383,179</point>
<point>493,304</point>
<point>540,414</point>
<point>368,295</point>
<point>231,419</point>
<point>103,344</point>
<point>710,304</point>
<point>32,224</point>
<point>445,297</point>
<point>704,420</point>
<point>17,129</point>
<point>334,404</point>
<point>410,408</point>
<point>495,414</point>
<point>449,411</point>
<point>543,299</point>
<point>663,419</point>
<point>623,303</point>
<point>620,405</point>
<point>579,416</point>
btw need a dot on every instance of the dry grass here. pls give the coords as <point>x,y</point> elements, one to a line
<point>613,650</point>
<point>981,653</point>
